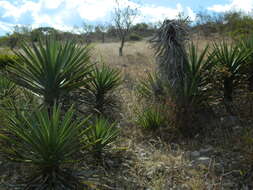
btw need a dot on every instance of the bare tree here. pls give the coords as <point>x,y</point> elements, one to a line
<point>102,28</point>
<point>87,30</point>
<point>123,18</point>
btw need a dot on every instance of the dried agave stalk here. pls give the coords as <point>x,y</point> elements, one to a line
<point>169,44</point>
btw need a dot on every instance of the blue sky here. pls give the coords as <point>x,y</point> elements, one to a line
<point>64,14</point>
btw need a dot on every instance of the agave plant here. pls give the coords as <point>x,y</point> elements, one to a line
<point>46,142</point>
<point>231,58</point>
<point>193,93</point>
<point>7,59</point>
<point>100,134</point>
<point>104,81</point>
<point>152,118</point>
<point>7,88</point>
<point>194,86</point>
<point>248,44</point>
<point>51,69</point>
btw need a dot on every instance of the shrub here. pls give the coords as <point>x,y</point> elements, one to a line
<point>152,118</point>
<point>46,142</point>
<point>100,134</point>
<point>135,37</point>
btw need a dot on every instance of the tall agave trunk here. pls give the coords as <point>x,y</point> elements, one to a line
<point>228,95</point>
<point>250,83</point>
<point>228,89</point>
<point>100,102</point>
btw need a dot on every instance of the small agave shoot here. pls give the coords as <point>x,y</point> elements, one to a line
<point>51,68</point>
<point>152,118</point>
<point>101,134</point>
<point>104,81</point>
<point>151,88</point>
<point>46,142</point>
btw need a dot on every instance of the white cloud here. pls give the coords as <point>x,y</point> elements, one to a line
<point>192,15</point>
<point>156,13</point>
<point>6,27</point>
<point>15,11</point>
<point>51,4</point>
<point>58,13</point>
<point>237,5</point>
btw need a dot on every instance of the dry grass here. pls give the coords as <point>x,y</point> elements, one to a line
<point>155,164</point>
<point>137,60</point>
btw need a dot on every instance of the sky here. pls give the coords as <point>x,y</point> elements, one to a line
<point>65,14</point>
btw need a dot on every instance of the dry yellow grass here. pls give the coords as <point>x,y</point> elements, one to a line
<point>137,60</point>
<point>162,167</point>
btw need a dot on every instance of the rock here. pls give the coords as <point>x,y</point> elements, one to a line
<point>185,187</point>
<point>195,154</point>
<point>203,160</point>
<point>219,168</point>
<point>237,127</point>
<point>229,121</point>
<point>229,185</point>
<point>187,155</point>
<point>206,151</point>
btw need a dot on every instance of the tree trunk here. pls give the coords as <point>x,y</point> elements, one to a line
<point>121,46</point>
<point>103,37</point>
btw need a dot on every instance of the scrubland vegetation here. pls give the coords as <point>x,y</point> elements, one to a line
<point>174,111</point>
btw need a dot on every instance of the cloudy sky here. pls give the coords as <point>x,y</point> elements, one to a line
<point>64,14</point>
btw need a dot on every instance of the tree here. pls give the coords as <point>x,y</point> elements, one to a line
<point>210,23</point>
<point>87,30</point>
<point>123,18</point>
<point>102,28</point>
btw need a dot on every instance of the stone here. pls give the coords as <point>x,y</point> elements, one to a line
<point>195,154</point>
<point>187,154</point>
<point>229,185</point>
<point>229,121</point>
<point>203,160</point>
<point>206,151</point>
